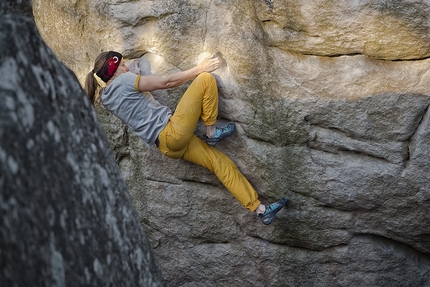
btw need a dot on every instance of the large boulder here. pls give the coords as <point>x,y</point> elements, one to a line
<point>66,218</point>
<point>19,7</point>
<point>331,103</point>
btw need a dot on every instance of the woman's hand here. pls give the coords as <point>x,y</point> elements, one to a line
<point>209,64</point>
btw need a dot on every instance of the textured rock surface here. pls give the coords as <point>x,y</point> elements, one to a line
<point>66,218</point>
<point>18,7</point>
<point>331,102</point>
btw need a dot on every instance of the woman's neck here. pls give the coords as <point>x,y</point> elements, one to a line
<point>110,81</point>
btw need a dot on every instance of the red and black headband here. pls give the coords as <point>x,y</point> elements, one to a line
<point>110,66</point>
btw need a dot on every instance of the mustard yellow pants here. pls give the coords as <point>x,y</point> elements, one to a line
<point>177,139</point>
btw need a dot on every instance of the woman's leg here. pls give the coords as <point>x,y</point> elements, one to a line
<point>177,140</point>
<point>199,101</point>
<point>227,172</point>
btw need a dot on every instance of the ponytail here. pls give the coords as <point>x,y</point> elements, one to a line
<point>92,86</point>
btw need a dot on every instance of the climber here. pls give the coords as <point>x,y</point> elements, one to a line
<point>173,133</point>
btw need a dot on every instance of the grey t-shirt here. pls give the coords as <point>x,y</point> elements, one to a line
<point>140,111</point>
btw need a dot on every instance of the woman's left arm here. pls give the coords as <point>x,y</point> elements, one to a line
<point>151,83</point>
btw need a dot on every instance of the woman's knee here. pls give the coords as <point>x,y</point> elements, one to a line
<point>205,76</point>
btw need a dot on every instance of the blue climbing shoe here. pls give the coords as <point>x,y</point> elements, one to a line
<point>271,210</point>
<point>221,133</point>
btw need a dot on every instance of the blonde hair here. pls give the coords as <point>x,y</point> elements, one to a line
<point>92,85</point>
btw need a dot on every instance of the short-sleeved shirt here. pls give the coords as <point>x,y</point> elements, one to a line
<point>145,116</point>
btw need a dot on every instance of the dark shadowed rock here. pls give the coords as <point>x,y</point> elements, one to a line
<point>66,218</point>
<point>21,7</point>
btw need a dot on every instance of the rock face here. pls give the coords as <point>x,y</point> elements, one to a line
<point>19,7</point>
<point>331,103</point>
<point>66,218</point>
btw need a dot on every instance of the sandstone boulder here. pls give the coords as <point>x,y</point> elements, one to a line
<point>331,103</point>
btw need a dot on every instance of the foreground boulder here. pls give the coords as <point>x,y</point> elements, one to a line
<point>66,218</point>
<point>331,103</point>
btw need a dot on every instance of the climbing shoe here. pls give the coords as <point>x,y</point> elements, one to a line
<point>220,133</point>
<point>271,210</point>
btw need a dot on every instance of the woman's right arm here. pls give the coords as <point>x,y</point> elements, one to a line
<point>152,83</point>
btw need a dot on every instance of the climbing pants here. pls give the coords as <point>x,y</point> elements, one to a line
<point>177,139</point>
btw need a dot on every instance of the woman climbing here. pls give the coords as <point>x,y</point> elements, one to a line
<point>173,133</point>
